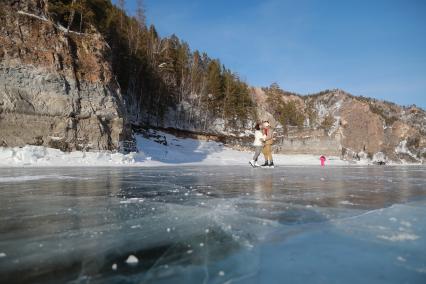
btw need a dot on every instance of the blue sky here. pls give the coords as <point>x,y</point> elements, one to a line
<point>373,48</point>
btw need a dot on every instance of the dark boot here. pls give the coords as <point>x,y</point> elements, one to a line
<point>271,164</point>
<point>266,164</point>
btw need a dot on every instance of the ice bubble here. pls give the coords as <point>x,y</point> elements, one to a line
<point>405,223</point>
<point>393,219</point>
<point>114,266</point>
<point>221,273</point>
<point>168,230</point>
<point>2,254</point>
<point>207,231</point>
<point>132,260</point>
<point>189,251</point>
<point>400,258</point>
<point>201,244</point>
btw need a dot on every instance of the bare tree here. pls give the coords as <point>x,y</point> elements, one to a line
<point>71,19</point>
<point>140,13</point>
<point>121,5</point>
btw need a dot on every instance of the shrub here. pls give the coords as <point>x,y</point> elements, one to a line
<point>328,122</point>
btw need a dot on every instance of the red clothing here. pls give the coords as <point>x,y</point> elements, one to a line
<point>322,159</point>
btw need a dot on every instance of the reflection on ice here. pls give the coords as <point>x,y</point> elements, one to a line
<point>213,225</point>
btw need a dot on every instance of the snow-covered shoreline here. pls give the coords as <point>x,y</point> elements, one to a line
<point>178,151</point>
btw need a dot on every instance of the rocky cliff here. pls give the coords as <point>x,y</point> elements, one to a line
<point>338,123</point>
<point>56,87</point>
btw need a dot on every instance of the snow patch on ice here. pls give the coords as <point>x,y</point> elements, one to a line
<point>132,260</point>
<point>132,200</point>
<point>399,237</point>
<point>346,202</point>
<point>30,178</point>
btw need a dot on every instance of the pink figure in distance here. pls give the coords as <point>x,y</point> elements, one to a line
<point>323,159</point>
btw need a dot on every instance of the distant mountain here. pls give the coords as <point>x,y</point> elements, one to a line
<point>83,75</point>
<point>338,123</point>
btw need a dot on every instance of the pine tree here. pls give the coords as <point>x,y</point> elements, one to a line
<point>156,73</point>
<point>214,86</point>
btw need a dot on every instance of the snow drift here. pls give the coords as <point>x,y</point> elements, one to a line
<point>171,150</point>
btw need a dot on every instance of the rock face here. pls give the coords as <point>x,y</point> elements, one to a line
<point>56,88</point>
<point>360,127</point>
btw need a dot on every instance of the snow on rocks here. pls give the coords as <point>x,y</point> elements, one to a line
<point>43,156</point>
<point>176,151</point>
<point>379,158</point>
<point>402,148</point>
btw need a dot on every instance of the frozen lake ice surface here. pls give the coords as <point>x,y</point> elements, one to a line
<point>212,224</point>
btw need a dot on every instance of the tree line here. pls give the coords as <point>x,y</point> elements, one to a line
<point>157,73</point>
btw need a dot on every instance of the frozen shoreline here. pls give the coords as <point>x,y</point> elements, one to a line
<point>177,152</point>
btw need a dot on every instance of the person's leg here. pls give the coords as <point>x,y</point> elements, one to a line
<point>270,153</point>
<point>271,161</point>
<point>265,154</point>
<point>257,152</point>
<point>268,150</point>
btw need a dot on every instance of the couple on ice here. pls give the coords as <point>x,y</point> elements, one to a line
<point>263,139</point>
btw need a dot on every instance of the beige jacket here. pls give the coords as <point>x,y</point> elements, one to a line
<point>269,132</point>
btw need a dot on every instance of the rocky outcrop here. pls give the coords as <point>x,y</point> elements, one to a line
<point>56,87</point>
<point>360,127</point>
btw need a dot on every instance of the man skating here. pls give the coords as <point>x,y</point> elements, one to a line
<point>267,148</point>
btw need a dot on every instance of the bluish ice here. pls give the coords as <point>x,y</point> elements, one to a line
<point>213,225</point>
